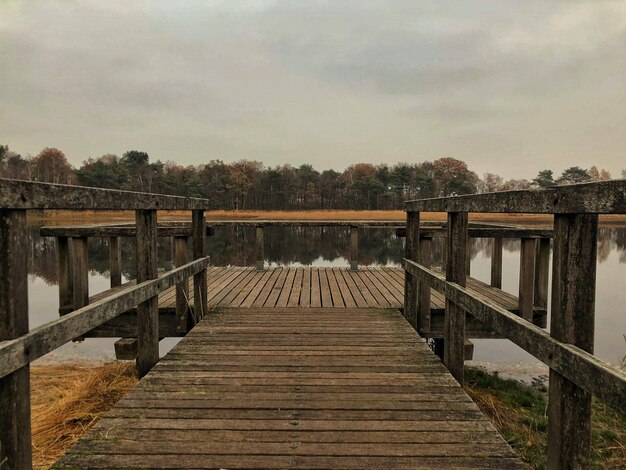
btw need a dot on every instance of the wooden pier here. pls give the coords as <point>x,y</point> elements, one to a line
<point>311,367</point>
<point>349,388</point>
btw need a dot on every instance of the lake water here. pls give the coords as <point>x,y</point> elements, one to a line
<point>328,246</point>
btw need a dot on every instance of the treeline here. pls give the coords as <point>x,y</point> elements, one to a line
<point>249,185</point>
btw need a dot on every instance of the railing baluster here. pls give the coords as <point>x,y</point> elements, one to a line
<point>454,323</point>
<point>147,312</point>
<point>411,251</point>
<point>425,259</point>
<point>527,278</point>
<point>181,257</point>
<point>15,431</point>
<point>572,321</point>
<point>198,229</point>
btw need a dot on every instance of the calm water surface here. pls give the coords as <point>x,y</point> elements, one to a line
<point>328,246</point>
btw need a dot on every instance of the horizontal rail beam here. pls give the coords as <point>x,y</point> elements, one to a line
<point>125,231</point>
<point>39,341</point>
<point>594,375</point>
<point>606,197</point>
<point>17,194</point>
<point>481,232</point>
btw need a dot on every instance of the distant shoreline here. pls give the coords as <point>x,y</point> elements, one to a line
<point>55,217</point>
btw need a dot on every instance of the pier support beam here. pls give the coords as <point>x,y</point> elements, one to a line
<point>260,248</point>
<point>496,262</point>
<point>147,312</point>
<point>411,252</point>
<point>80,272</point>
<point>572,321</point>
<point>66,290</point>
<point>354,248</point>
<point>454,323</point>
<point>115,261</point>
<point>15,431</point>
<point>542,272</point>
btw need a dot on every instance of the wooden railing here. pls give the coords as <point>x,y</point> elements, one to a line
<point>575,374</point>
<point>19,346</point>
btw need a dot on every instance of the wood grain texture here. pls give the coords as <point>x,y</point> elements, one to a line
<point>296,388</point>
<point>15,431</point>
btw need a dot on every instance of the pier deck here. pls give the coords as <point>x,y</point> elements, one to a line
<point>296,388</point>
<point>244,287</point>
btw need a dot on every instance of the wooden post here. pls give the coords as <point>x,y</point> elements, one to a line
<point>66,291</point>
<point>528,252</point>
<point>496,263</point>
<point>15,433</point>
<point>198,229</point>
<point>423,302</point>
<point>114,261</point>
<point>454,323</point>
<point>411,252</point>
<point>260,246</point>
<point>354,248</point>
<point>182,289</point>
<point>542,272</point>
<point>468,257</point>
<point>80,272</point>
<point>572,321</point>
<point>148,311</point>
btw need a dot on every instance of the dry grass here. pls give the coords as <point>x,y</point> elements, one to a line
<point>519,413</point>
<point>67,399</point>
<point>65,217</point>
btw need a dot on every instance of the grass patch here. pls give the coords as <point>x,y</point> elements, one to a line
<point>519,413</point>
<point>67,399</point>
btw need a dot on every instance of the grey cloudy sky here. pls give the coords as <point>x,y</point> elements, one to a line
<point>510,87</point>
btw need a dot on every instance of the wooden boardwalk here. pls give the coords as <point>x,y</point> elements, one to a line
<point>296,388</point>
<point>244,287</point>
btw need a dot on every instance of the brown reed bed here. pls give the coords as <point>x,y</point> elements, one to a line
<point>67,399</point>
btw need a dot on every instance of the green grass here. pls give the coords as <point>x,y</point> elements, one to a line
<point>519,413</point>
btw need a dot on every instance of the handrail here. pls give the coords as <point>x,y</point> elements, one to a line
<point>19,346</point>
<point>575,374</point>
<point>594,375</point>
<point>23,350</point>
<point>18,194</point>
<point>604,197</point>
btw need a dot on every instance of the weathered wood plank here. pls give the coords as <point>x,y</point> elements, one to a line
<point>592,374</point>
<point>80,272</point>
<point>16,194</point>
<point>115,268</point>
<point>527,278</point>
<point>247,384</point>
<point>66,282</point>
<point>147,311</point>
<point>454,327</point>
<point>39,341</point>
<point>411,251</point>
<point>603,197</point>
<point>496,262</point>
<point>572,321</point>
<point>15,431</point>
<point>200,279</point>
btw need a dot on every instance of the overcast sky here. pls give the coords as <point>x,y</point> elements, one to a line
<point>511,87</point>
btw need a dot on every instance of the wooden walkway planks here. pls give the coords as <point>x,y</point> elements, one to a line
<point>296,388</point>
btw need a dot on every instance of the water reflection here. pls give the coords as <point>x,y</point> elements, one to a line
<point>328,246</point>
